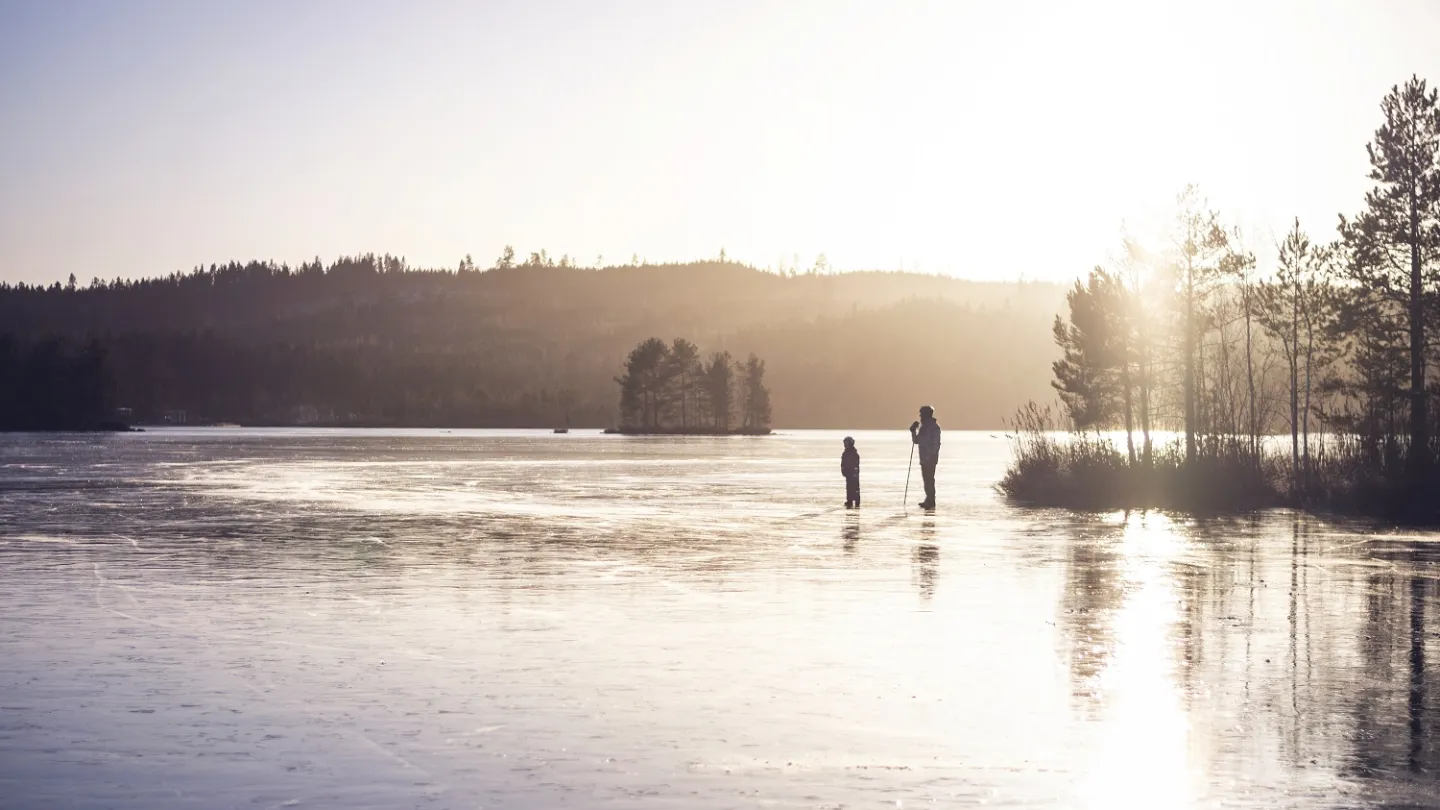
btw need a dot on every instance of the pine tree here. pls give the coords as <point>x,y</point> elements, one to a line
<point>643,386</point>
<point>718,390</point>
<point>1391,245</point>
<point>1323,344</point>
<point>1238,266</point>
<point>1297,310</point>
<point>757,396</point>
<point>1092,374</point>
<point>684,361</point>
<point>1376,386</point>
<point>1200,245</point>
<point>1138,278</point>
<point>1281,304</point>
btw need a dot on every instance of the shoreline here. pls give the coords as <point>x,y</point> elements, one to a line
<point>684,432</point>
<point>102,428</point>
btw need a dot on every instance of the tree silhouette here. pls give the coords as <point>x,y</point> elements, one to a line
<point>369,340</point>
<point>756,395</point>
<point>1392,244</point>
<point>718,389</point>
<point>653,390</point>
<point>643,386</point>
<point>684,369</point>
<point>1296,311</point>
<point>1349,322</point>
<point>1199,245</point>
<point>1092,373</point>
<point>53,385</point>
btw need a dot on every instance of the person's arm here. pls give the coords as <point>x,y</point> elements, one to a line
<point>914,435</point>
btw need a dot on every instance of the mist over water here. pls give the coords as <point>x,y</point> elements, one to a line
<point>487,619</point>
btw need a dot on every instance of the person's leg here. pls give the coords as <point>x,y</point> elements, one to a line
<point>852,490</point>
<point>927,471</point>
<point>857,489</point>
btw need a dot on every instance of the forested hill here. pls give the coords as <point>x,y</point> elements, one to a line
<point>368,340</point>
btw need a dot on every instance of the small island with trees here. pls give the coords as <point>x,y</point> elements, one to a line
<point>670,389</point>
<point>1332,349</point>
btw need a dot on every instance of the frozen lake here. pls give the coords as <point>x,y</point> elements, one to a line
<point>213,619</point>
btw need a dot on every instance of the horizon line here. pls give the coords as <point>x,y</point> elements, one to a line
<point>547,263</point>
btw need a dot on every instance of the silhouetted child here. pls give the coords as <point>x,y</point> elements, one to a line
<point>850,468</point>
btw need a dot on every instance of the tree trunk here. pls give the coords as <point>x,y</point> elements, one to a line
<point>1419,425</point>
<point>1189,360</point>
<point>1125,386</point>
<point>1295,384</point>
<point>1145,400</point>
<point>1294,420</point>
<point>1250,377</point>
<point>1201,424</point>
<point>1142,364</point>
<point>1309,359</point>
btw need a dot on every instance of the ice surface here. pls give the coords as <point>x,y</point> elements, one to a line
<point>261,619</point>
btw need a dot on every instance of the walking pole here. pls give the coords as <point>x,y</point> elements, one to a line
<point>905,506</point>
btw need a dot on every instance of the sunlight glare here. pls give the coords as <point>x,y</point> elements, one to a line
<point>1143,757</point>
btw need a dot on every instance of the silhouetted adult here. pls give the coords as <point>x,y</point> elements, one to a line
<point>926,434</point>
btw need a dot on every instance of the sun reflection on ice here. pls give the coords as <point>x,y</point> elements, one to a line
<point>1142,754</point>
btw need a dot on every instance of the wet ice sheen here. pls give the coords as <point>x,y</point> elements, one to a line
<point>419,619</point>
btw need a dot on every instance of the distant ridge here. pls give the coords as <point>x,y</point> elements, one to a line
<point>369,340</point>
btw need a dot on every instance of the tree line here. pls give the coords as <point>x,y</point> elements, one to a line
<point>53,385</point>
<point>1333,345</point>
<point>670,388</point>
<point>372,340</point>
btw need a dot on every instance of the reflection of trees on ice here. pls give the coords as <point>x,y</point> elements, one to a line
<point>509,617</point>
<point>1205,635</point>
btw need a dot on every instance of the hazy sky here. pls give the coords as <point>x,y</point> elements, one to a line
<point>988,139</point>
